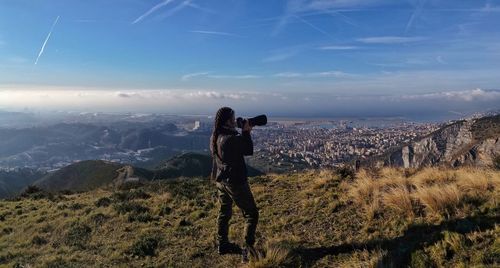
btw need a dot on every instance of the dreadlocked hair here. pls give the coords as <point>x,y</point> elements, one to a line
<point>223,114</point>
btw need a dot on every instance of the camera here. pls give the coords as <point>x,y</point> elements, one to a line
<point>260,120</point>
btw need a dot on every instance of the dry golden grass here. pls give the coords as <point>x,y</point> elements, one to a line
<point>364,189</point>
<point>400,200</point>
<point>390,173</point>
<point>274,255</point>
<point>164,197</point>
<point>323,179</point>
<point>434,175</point>
<point>363,259</point>
<point>440,191</point>
<point>439,199</point>
<point>475,181</point>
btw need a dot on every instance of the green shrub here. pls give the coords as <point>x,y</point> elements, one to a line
<point>103,202</point>
<point>38,240</point>
<point>164,210</point>
<point>420,260</point>
<point>141,217</point>
<point>198,214</point>
<point>139,194</point>
<point>75,206</point>
<point>5,258</point>
<point>345,172</point>
<point>46,228</point>
<point>183,222</point>
<point>496,162</point>
<point>60,263</point>
<point>146,245</point>
<point>77,235</point>
<point>31,189</point>
<point>98,219</point>
<point>125,207</point>
<point>35,192</point>
<point>66,192</point>
<point>130,195</point>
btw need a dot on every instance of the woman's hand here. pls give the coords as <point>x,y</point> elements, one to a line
<point>247,127</point>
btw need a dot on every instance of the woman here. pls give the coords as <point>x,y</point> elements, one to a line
<point>228,149</point>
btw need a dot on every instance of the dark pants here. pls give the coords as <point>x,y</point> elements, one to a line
<point>241,195</point>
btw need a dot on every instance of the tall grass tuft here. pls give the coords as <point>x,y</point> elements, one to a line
<point>439,199</point>
<point>400,200</point>
<point>274,255</point>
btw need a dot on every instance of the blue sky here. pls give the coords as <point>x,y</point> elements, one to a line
<point>195,55</point>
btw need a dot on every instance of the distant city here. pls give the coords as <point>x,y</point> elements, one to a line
<point>46,143</point>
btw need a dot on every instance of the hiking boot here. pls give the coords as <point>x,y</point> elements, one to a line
<point>246,252</point>
<point>228,248</point>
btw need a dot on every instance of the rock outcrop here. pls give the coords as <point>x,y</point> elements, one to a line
<point>467,142</point>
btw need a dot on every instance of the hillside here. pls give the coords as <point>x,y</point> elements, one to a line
<point>469,142</point>
<point>12,182</point>
<point>90,174</point>
<point>190,165</point>
<point>387,217</point>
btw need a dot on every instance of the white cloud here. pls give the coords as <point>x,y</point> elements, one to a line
<point>463,95</point>
<point>329,4</point>
<point>390,39</point>
<point>129,94</point>
<point>245,76</point>
<point>289,102</point>
<point>186,77</point>
<point>440,60</point>
<point>488,7</point>
<point>335,74</point>
<point>281,56</point>
<point>288,74</point>
<point>338,47</point>
<point>216,95</point>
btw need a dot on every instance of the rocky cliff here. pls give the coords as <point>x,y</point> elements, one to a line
<point>467,142</point>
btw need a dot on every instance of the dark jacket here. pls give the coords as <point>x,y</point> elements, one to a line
<point>232,147</point>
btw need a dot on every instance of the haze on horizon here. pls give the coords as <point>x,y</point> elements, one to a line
<point>309,58</point>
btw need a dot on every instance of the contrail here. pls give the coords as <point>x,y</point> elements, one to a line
<point>415,14</point>
<point>312,26</point>
<point>176,9</point>
<point>46,40</point>
<point>343,17</point>
<point>153,9</point>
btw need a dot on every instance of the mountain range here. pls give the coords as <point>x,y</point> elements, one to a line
<point>54,146</point>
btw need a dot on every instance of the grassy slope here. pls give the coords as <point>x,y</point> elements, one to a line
<point>13,182</point>
<point>80,176</point>
<point>312,219</point>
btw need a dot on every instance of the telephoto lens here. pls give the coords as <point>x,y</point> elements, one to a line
<point>259,120</point>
